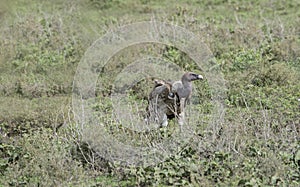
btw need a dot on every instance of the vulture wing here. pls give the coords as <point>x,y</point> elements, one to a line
<point>157,106</point>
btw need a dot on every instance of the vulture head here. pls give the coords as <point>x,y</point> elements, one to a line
<point>190,76</point>
<point>167,100</point>
<point>183,88</point>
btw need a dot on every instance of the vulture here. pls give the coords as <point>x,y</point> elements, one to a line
<point>168,99</point>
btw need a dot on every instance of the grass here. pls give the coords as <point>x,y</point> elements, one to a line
<point>256,45</point>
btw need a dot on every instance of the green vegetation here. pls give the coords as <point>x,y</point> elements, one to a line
<point>256,45</point>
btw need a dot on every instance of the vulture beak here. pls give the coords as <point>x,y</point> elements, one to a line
<point>196,77</point>
<point>200,77</point>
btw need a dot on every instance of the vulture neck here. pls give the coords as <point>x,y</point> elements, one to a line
<point>187,84</point>
<point>186,89</point>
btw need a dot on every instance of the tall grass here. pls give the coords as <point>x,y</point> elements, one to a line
<point>256,45</point>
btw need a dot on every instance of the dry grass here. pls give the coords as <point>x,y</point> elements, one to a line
<point>254,143</point>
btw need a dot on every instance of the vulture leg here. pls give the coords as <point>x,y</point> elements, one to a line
<point>164,121</point>
<point>181,113</point>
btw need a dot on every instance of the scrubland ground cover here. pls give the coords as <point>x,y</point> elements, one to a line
<point>256,45</point>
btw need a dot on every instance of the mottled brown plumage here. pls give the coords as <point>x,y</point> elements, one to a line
<point>168,99</point>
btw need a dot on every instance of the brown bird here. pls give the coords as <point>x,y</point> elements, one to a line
<point>168,99</point>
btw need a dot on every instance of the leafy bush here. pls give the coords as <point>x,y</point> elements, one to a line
<point>40,158</point>
<point>256,45</point>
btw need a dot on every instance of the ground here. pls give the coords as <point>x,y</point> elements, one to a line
<point>256,47</point>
